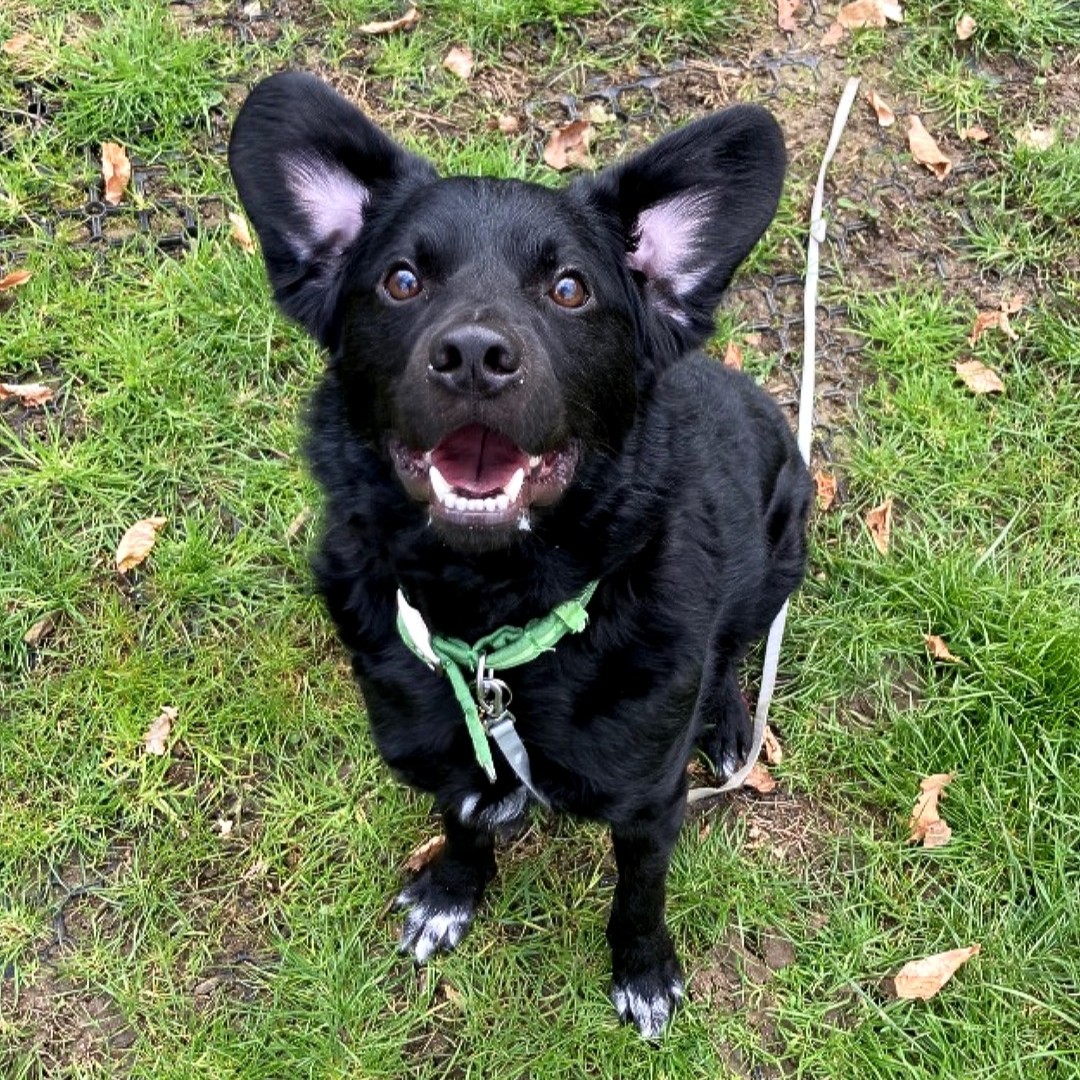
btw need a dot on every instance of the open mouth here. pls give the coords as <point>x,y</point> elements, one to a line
<point>476,476</point>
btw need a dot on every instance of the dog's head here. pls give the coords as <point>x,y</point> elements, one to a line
<point>494,337</point>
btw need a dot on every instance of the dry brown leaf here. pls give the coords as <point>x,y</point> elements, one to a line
<point>733,356</point>
<point>459,61</point>
<point>137,543</point>
<point>156,739</point>
<point>826,489</point>
<point>31,395</point>
<point>388,26</point>
<point>1035,138</point>
<point>987,320</point>
<point>1013,304</point>
<point>975,133</point>
<point>771,748</point>
<point>922,979</point>
<point>569,146</point>
<point>240,232</point>
<point>424,853</point>
<point>41,629</point>
<point>15,45</point>
<point>508,124</point>
<point>760,779</point>
<point>298,523</point>
<point>116,170</point>
<point>833,36</point>
<point>785,14</point>
<point>939,650</point>
<point>879,522</point>
<point>925,150</point>
<point>978,378</point>
<point>14,279</point>
<point>965,27</point>
<point>863,13</point>
<point>885,116</point>
<point>927,825</point>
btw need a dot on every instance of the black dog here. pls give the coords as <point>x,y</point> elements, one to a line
<point>512,410</point>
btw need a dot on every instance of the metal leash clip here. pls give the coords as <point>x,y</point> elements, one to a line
<point>493,699</point>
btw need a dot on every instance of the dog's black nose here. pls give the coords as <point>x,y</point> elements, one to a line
<point>475,359</point>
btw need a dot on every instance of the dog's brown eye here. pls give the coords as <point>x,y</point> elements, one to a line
<point>402,284</point>
<point>568,292</point>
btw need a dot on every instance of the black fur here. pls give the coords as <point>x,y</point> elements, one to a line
<point>687,501</point>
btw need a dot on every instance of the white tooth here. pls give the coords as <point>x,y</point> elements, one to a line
<point>440,486</point>
<point>502,503</point>
<point>475,505</point>
<point>489,505</point>
<point>535,461</point>
<point>513,488</point>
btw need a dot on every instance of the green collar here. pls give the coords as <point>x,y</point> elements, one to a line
<point>471,668</point>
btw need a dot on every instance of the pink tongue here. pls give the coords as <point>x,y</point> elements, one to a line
<point>477,460</point>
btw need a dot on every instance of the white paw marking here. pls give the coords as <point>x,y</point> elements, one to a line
<point>648,1013</point>
<point>429,930</point>
<point>509,808</point>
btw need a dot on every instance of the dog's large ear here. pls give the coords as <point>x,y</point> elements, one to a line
<point>691,206</point>
<point>309,166</point>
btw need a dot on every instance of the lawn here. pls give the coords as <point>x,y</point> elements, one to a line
<point>221,910</point>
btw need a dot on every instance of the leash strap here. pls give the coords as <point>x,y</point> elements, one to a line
<point>818,232</point>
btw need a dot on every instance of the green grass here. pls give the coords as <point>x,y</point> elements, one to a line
<point>224,907</point>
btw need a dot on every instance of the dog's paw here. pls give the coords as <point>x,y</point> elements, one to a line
<point>648,1001</point>
<point>727,742</point>
<point>435,920</point>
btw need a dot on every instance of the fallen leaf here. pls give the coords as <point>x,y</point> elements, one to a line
<point>597,114</point>
<point>253,9</point>
<point>569,146</point>
<point>14,279</point>
<point>29,394</point>
<point>1035,138</point>
<point>826,489</point>
<point>939,650</point>
<point>156,739</point>
<point>833,36</point>
<point>388,26</point>
<point>452,995</point>
<point>459,61</point>
<point>978,378</point>
<point>137,543</point>
<point>733,356</point>
<point>885,116</point>
<point>41,629</point>
<point>240,232</point>
<point>15,45</point>
<point>773,751</point>
<point>925,150</point>
<point>965,27</point>
<point>760,779</point>
<point>1013,304</point>
<point>975,133</point>
<point>224,826</point>
<point>508,124</point>
<point>879,522</point>
<point>863,13</point>
<point>116,170</point>
<point>298,523</point>
<point>785,14</point>
<point>987,320</point>
<point>922,979</point>
<point>927,825</point>
<point>424,853</point>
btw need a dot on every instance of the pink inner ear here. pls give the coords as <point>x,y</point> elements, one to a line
<point>331,199</point>
<point>669,242</point>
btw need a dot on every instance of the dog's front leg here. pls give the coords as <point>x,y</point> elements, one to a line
<point>443,899</point>
<point>647,981</point>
